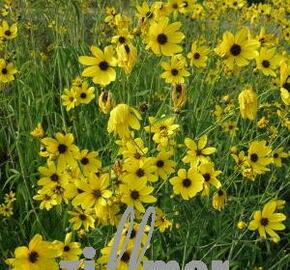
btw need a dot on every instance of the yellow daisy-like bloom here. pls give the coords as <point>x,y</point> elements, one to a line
<point>8,32</point>
<point>69,98</point>
<point>100,65</point>
<point>164,166</point>
<point>47,197</point>
<point>82,219</point>
<point>278,155</point>
<point>94,191</point>
<point>84,94</point>
<point>187,183</point>
<point>162,223</point>
<point>210,177</point>
<point>38,132</point>
<point>106,102</point>
<point>238,49</point>
<point>285,83</point>
<point>198,55</point>
<point>90,162</point>
<point>135,193</point>
<point>267,221</point>
<point>62,147</point>
<point>7,71</point>
<point>248,101</point>
<point>121,118</point>
<point>69,250</point>
<point>38,255</point>
<point>175,70</point>
<point>259,156</point>
<point>163,38</point>
<point>268,61</point>
<point>219,200</point>
<point>198,152</point>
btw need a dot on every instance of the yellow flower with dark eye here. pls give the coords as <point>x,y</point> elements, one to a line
<point>178,96</point>
<point>198,55</point>
<point>268,221</point>
<point>135,193</point>
<point>259,156</point>
<point>100,65</point>
<point>164,165</point>
<point>175,70</point>
<point>82,218</point>
<point>123,117</point>
<point>39,254</point>
<point>162,223</point>
<point>84,94</point>
<point>284,82</point>
<point>219,200</point>
<point>268,61</point>
<point>47,197</point>
<point>8,32</point>
<point>278,155</point>
<point>230,127</point>
<point>90,163</point>
<point>95,191</point>
<point>69,98</point>
<point>163,38</point>
<point>7,71</point>
<point>237,49</point>
<point>69,250</point>
<point>248,103</point>
<point>198,152</point>
<point>106,101</point>
<point>187,183</point>
<point>63,148</point>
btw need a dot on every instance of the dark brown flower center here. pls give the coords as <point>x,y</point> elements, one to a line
<point>126,257</point>
<point>84,160</point>
<point>175,6</point>
<point>4,71</point>
<point>54,177</point>
<point>265,63</point>
<point>186,182</point>
<point>83,95</point>
<point>196,55</point>
<point>140,172</point>
<point>264,221</point>
<point>33,256</point>
<point>160,163</point>
<point>276,155</point>
<point>206,177</point>
<point>122,40</point>
<point>254,157</point>
<point>66,248</point>
<point>62,148</point>
<point>7,33</point>
<point>97,193</point>
<point>135,195</point>
<point>104,65</point>
<point>220,193</point>
<point>174,71</point>
<point>137,155</point>
<point>236,50</point>
<point>286,85</point>
<point>162,39</point>
<point>83,217</point>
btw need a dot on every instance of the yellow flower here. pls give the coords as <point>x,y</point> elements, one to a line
<point>284,82</point>
<point>90,162</point>
<point>259,156</point>
<point>69,250</point>
<point>175,70</point>
<point>231,128</point>
<point>100,65</point>
<point>94,192</point>
<point>82,218</point>
<point>198,55</point>
<point>268,61</point>
<point>198,152</point>
<point>121,118</point>
<point>69,98</point>
<point>187,183</point>
<point>164,166</point>
<point>7,71</point>
<point>38,255</point>
<point>63,148</point>
<point>38,132</point>
<point>47,197</point>
<point>106,101</point>
<point>267,221</point>
<point>8,32</point>
<point>219,200</point>
<point>242,225</point>
<point>278,155</point>
<point>162,223</point>
<point>248,104</point>
<point>209,174</point>
<point>163,38</point>
<point>178,96</point>
<point>84,94</point>
<point>238,49</point>
<point>127,56</point>
<point>135,193</point>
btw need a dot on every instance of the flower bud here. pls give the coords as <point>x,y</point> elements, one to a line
<point>106,102</point>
